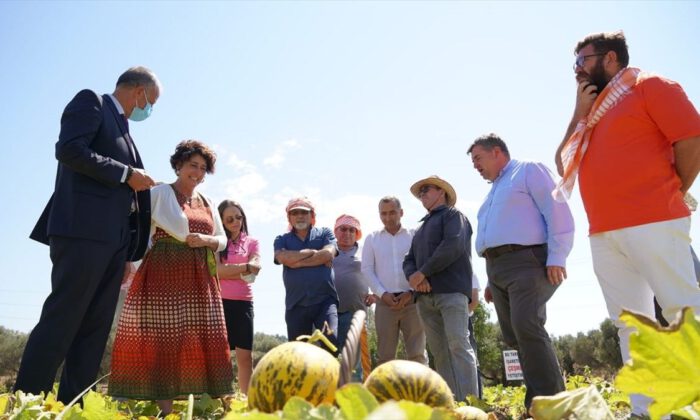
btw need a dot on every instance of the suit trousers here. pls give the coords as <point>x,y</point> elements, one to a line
<point>520,289</point>
<point>76,317</point>
<point>389,322</point>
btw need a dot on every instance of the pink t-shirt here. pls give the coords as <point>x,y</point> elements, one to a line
<point>238,252</point>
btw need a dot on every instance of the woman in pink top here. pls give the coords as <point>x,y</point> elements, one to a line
<point>238,265</point>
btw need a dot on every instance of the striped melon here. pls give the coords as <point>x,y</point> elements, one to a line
<point>293,368</point>
<point>408,380</point>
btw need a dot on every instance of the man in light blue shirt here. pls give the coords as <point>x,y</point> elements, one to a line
<point>525,237</point>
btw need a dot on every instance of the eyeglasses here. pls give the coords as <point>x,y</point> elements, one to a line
<point>347,229</point>
<point>298,212</point>
<point>582,59</point>
<point>230,219</point>
<point>425,188</point>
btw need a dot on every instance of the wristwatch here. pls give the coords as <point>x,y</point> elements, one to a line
<point>129,172</point>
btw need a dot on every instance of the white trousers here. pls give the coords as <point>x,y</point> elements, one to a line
<point>637,263</point>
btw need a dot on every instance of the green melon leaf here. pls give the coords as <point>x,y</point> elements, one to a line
<point>296,408</point>
<point>442,413</point>
<point>388,410</point>
<point>355,401</point>
<point>415,410</point>
<point>206,404</point>
<point>582,403</point>
<point>665,362</point>
<point>4,403</point>
<point>688,412</point>
<point>253,415</point>
<point>96,407</point>
<point>325,411</point>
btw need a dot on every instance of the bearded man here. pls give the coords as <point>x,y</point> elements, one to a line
<point>634,143</point>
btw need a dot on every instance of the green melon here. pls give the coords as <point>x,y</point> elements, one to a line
<point>293,368</point>
<point>407,380</point>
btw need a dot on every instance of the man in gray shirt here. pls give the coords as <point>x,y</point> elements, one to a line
<point>438,265</point>
<point>351,284</point>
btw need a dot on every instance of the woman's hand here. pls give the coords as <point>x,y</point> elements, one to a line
<point>198,240</point>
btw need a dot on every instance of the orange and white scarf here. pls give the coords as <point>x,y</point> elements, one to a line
<point>575,147</point>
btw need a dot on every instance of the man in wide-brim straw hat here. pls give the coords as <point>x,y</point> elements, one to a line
<point>438,266</point>
<point>436,181</point>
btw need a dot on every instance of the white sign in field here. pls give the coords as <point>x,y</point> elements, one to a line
<point>512,364</point>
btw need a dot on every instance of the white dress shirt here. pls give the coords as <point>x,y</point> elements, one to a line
<point>382,260</point>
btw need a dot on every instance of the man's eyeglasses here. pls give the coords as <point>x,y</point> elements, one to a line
<point>231,219</point>
<point>582,59</point>
<point>347,229</point>
<point>425,188</point>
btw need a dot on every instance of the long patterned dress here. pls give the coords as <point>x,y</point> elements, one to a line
<point>171,337</point>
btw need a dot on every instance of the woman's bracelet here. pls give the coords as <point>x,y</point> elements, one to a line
<point>247,268</point>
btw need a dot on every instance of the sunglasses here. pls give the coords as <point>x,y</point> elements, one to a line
<point>230,219</point>
<point>425,188</point>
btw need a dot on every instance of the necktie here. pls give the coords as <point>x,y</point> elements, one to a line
<point>127,137</point>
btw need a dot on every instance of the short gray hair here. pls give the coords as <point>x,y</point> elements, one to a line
<point>138,76</point>
<point>390,199</point>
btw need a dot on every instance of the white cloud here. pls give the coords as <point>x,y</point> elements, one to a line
<point>279,154</point>
<point>244,186</point>
<point>239,164</point>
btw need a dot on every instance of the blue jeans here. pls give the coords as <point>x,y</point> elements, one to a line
<point>302,320</point>
<point>344,321</point>
<point>445,317</point>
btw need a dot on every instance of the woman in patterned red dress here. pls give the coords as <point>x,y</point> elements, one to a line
<point>171,337</point>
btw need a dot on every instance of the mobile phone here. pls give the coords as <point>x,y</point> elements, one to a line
<point>591,84</point>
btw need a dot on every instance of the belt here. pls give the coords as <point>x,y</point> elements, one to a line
<point>497,251</point>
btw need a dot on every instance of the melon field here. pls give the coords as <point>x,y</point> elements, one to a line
<point>297,380</point>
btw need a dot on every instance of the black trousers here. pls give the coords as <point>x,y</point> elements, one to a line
<point>76,317</point>
<point>520,289</point>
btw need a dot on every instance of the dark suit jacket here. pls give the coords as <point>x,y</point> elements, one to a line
<point>89,201</point>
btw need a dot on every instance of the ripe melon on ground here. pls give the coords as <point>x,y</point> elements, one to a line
<point>293,368</point>
<point>408,380</point>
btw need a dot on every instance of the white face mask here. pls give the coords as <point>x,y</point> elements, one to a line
<point>248,278</point>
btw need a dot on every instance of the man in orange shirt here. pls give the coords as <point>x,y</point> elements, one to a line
<point>634,142</point>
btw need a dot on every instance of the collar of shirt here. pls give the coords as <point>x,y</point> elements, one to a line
<point>116,103</point>
<point>352,251</point>
<point>437,209</point>
<point>505,169</point>
<point>401,230</point>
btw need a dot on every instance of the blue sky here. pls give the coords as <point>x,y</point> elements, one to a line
<point>344,102</point>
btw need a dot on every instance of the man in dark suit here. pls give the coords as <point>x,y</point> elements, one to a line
<point>95,223</point>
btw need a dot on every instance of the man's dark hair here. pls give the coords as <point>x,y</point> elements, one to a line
<point>488,142</point>
<point>138,76</point>
<point>607,41</point>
